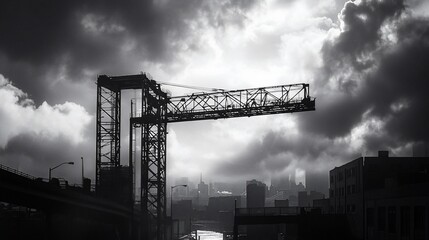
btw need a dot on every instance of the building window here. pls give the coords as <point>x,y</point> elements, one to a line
<point>340,176</point>
<point>381,218</point>
<point>332,179</point>
<point>348,190</point>
<point>419,222</point>
<point>353,208</point>
<point>331,193</point>
<point>405,222</point>
<point>391,219</point>
<point>354,188</point>
<point>353,171</point>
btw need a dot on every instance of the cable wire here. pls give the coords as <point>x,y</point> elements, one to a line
<point>192,87</point>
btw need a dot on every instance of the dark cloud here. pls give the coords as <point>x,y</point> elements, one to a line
<point>361,30</point>
<point>279,152</point>
<point>73,37</point>
<point>51,49</point>
<point>375,76</point>
<point>371,75</point>
<point>375,69</point>
<point>344,59</point>
<point>399,87</point>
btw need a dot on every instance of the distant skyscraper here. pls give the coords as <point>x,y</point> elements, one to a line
<point>203,192</point>
<point>317,181</point>
<point>255,194</point>
<point>284,183</point>
<point>280,183</point>
<point>292,181</point>
<point>212,191</point>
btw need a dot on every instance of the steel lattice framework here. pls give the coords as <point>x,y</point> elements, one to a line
<point>108,129</point>
<point>152,114</point>
<point>240,103</point>
<point>153,158</point>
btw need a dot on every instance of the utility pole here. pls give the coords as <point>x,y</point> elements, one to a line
<point>83,178</point>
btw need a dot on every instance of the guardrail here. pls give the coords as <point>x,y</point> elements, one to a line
<point>14,171</point>
<point>274,211</point>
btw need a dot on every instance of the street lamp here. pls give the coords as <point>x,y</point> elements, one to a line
<point>83,179</point>
<point>50,169</point>
<point>171,206</point>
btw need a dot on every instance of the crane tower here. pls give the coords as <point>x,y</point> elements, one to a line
<point>154,110</point>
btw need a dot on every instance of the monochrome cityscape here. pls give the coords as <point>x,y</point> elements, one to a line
<point>209,120</point>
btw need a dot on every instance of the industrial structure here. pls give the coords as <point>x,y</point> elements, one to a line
<point>149,118</point>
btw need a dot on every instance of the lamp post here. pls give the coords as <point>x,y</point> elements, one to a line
<point>83,179</point>
<point>50,169</point>
<point>171,207</point>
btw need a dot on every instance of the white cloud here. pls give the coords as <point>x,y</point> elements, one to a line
<point>19,115</point>
<point>97,24</point>
<point>275,45</point>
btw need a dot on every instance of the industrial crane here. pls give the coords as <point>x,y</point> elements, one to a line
<point>150,115</point>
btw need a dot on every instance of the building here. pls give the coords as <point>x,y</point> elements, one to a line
<point>281,203</point>
<point>222,209</point>
<point>255,194</point>
<point>317,181</point>
<point>182,217</point>
<point>203,192</point>
<point>345,190</point>
<point>279,196</point>
<point>305,199</point>
<point>322,204</point>
<point>116,185</point>
<point>383,197</point>
<point>279,184</point>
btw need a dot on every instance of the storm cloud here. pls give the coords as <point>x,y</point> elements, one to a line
<point>371,94</point>
<point>75,40</point>
<point>365,61</point>
<point>375,68</point>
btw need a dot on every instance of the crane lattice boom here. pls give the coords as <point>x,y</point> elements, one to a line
<point>240,103</point>
<point>151,114</point>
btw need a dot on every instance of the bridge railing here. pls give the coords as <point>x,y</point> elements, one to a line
<point>273,211</point>
<point>14,171</point>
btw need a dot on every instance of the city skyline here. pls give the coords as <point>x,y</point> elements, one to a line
<point>344,50</point>
<point>235,119</point>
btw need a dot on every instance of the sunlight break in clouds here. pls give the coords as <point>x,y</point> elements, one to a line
<point>19,115</point>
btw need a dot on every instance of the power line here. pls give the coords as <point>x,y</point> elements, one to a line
<point>192,87</point>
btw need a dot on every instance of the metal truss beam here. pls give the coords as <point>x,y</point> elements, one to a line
<point>241,103</point>
<point>108,130</point>
<point>153,160</point>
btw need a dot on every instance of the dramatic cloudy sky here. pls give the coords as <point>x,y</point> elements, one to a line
<point>366,61</point>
